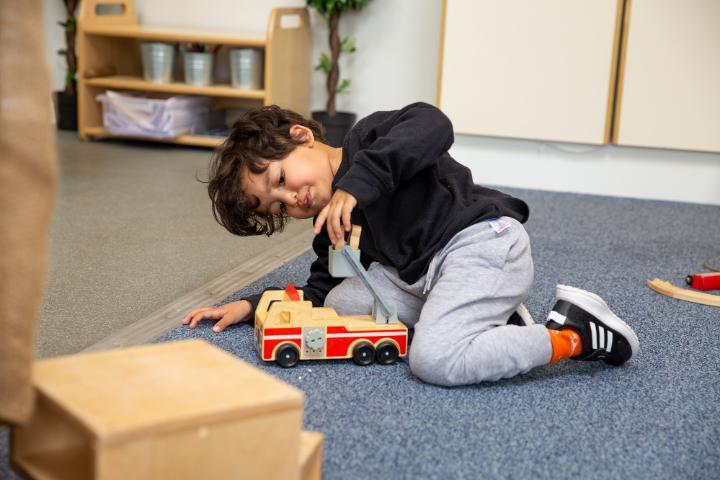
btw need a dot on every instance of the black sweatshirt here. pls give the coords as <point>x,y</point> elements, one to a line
<point>412,196</point>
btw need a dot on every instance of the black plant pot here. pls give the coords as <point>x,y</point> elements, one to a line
<point>335,127</point>
<point>66,111</point>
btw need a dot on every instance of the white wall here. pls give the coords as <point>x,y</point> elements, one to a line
<point>396,64</point>
<point>603,170</point>
<point>397,44</point>
<point>54,11</point>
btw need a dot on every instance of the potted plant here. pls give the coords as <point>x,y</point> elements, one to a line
<point>66,100</point>
<point>336,124</point>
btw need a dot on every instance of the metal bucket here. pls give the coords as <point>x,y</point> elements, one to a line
<point>198,68</point>
<point>157,59</point>
<point>246,68</point>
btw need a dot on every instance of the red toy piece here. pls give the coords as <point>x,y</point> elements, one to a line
<point>704,281</point>
<point>292,293</point>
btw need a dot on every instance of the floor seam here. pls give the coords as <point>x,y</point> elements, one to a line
<point>169,316</point>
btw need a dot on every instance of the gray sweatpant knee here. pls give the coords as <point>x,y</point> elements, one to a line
<point>460,307</point>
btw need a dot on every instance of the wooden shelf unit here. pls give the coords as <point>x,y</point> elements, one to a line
<point>113,40</point>
<point>193,140</point>
<point>125,82</point>
<point>164,34</point>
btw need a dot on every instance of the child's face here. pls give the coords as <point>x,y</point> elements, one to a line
<point>300,184</point>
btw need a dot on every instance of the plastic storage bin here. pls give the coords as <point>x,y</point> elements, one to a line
<point>125,114</point>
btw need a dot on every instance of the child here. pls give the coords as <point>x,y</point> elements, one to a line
<point>453,255</point>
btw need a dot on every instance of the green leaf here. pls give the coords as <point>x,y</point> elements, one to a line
<point>69,79</point>
<point>327,7</point>
<point>347,45</point>
<point>344,85</point>
<point>324,64</point>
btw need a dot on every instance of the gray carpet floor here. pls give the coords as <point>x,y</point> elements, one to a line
<point>656,417</point>
<point>132,231</point>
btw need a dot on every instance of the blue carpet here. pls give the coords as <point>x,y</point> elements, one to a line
<point>657,417</point>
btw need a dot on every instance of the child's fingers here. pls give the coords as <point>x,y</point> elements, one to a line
<point>223,323</point>
<point>334,222</point>
<point>192,313</point>
<point>347,210</point>
<point>321,219</point>
<point>210,314</point>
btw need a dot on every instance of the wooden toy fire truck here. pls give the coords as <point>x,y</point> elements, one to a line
<point>289,329</point>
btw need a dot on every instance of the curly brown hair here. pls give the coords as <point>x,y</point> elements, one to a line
<point>258,137</point>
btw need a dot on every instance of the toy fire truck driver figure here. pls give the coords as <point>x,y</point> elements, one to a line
<point>453,255</point>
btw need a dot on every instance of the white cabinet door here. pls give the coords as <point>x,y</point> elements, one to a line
<point>539,69</point>
<point>670,87</point>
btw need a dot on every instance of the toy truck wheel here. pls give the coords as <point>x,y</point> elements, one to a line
<point>363,354</point>
<point>386,354</point>
<point>287,356</point>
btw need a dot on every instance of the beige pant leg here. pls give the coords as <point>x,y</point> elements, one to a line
<point>28,181</point>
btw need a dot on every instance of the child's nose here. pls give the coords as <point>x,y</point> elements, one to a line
<point>291,198</point>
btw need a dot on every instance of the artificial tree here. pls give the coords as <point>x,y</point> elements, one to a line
<point>332,10</point>
<point>67,99</point>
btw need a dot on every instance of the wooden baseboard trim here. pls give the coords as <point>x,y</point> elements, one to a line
<point>168,317</point>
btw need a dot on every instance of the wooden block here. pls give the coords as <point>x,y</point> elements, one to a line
<point>355,237</point>
<point>173,410</point>
<point>311,453</point>
<point>338,265</point>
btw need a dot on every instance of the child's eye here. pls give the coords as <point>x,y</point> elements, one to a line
<point>282,207</point>
<point>282,178</point>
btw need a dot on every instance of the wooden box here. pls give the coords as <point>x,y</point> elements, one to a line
<point>173,410</point>
<point>311,453</point>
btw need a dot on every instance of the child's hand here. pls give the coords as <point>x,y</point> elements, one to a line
<point>226,315</point>
<point>339,207</point>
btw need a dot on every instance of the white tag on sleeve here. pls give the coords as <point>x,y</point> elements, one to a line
<point>499,225</point>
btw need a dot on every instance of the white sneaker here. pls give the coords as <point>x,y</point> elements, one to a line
<point>604,336</point>
<point>521,317</point>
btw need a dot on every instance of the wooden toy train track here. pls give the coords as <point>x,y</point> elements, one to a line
<point>667,288</point>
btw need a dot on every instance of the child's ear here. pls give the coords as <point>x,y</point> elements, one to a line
<point>304,134</point>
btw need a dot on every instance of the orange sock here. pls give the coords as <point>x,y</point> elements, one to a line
<point>565,343</point>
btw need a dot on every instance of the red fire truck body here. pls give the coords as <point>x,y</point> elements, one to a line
<point>289,330</point>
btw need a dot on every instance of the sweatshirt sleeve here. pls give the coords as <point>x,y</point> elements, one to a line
<point>394,146</point>
<point>254,300</point>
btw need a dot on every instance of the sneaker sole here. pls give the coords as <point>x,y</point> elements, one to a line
<point>525,315</point>
<point>597,307</point>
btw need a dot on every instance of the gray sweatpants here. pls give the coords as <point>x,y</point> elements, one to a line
<point>461,306</point>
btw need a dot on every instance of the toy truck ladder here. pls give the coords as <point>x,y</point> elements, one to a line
<point>344,261</point>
